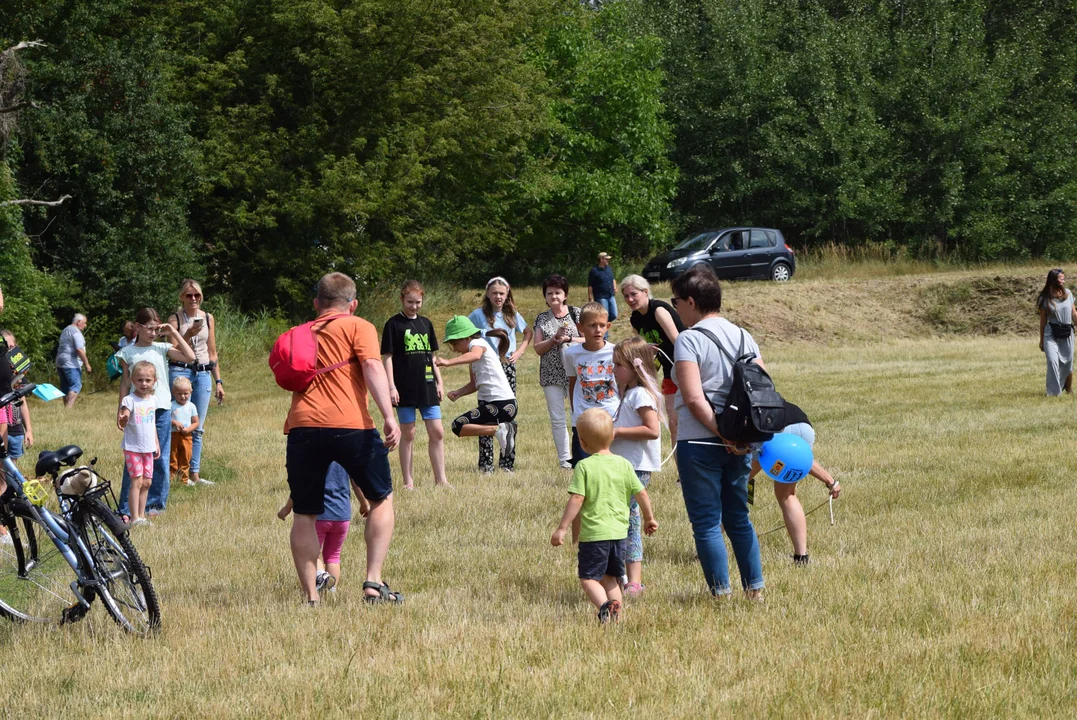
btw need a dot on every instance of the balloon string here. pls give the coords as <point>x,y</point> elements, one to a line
<point>782,526</point>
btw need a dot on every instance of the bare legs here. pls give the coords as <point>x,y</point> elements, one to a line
<point>435,449</point>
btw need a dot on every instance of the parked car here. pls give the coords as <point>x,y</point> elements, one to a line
<point>742,252</point>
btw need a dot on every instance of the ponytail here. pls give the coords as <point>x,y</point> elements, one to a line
<point>502,341</point>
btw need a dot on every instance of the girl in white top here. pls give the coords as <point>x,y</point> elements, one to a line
<point>137,418</point>
<point>497,402</point>
<point>637,429</point>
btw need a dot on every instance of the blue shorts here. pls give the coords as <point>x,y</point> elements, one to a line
<point>70,380</point>
<point>15,446</point>
<point>406,415</point>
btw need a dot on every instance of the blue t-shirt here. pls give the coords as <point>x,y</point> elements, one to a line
<point>601,281</point>
<point>479,318</point>
<point>338,495</point>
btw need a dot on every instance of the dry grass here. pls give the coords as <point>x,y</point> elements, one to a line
<point>945,588</point>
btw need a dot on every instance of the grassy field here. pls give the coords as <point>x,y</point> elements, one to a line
<point>945,588</point>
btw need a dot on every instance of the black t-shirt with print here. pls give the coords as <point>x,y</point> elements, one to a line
<point>412,343</point>
<point>648,328</point>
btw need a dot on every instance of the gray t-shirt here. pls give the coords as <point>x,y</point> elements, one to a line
<point>715,369</point>
<point>1058,311</point>
<point>71,341</point>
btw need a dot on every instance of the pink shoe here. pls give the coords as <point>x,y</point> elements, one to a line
<point>633,589</point>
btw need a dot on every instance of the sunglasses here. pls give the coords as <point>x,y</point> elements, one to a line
<point>192,296</point>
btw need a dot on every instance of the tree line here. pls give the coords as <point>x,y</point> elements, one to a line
<point>254,144</point>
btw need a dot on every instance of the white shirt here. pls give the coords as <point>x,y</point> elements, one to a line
<point>645,455</point>
<point>595,385</point>
<point>490,377</point>
<point>140,433</point>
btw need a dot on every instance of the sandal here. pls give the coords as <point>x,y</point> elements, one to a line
<point>633,589</point>
<point>384,594</point>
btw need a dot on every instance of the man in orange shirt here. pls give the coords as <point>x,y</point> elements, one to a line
<point>329,421</point>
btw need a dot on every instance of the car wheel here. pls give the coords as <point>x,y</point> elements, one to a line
<point>780,272</point>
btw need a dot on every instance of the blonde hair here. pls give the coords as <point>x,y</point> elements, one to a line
<point>638,282</point>
<point>592,309</point>
<point>595,428</point>
<point>189,283</point>
<point>637,355</point>
<point>181,383</point>
<point>143,365</point>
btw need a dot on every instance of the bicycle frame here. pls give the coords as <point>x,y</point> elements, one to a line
<point>69,544</point>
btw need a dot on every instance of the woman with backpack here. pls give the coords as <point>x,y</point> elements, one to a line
<point>714,472</point>
<point>1057,318</point>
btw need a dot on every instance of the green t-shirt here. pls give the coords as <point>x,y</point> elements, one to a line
<point>607,483</point>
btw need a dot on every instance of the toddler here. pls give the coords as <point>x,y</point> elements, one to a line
<point>185,421</point>
<point>602,486</point>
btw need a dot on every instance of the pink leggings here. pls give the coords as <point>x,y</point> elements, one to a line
<point>331,534</point>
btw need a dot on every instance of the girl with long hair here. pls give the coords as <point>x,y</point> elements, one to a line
<point>1057,318</point>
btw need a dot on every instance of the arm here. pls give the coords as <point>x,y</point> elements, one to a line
<point>125,389</point>
<point>1043,324</point>
<point>211,348</point>
<point>195,422</point>
<point>85,360</point>
<point>819,472</point>
<point>285,509</point>
<point>572,509</point>
<point>26,425</point>
<point>455,395</point>
<point>374,375</point>
<point>590,293</point>
<point>692,392</point>
<point>364,504</point>
<point>467,358</point>
<point>394,395</point>
<point>439,382</point>
<point>176,427</point>
<point>650,525</point>
<point>522,347</point>
<point>665,321</point>
<point>180,350</point>
<point>649,430</point>
<point>543,344</point>
<point>571,392</point>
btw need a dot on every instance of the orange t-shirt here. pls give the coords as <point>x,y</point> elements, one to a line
<point>338,399</point>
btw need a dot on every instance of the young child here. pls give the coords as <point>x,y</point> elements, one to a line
<point>408,344</point>
<point>185,421</point>
<point>602,486</point>
<point>637,429</point>
<point>333,524</point>
<point>589,367</point>
<point>140,446</point>
<point>497,402</point>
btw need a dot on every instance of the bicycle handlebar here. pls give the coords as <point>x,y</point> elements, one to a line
<point>17,394</point>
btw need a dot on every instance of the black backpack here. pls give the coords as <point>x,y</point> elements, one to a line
<point>753,410</point>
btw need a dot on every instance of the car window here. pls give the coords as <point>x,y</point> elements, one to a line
<point>772,237</point>
<point>722,245</point>
<point>759,240</point>
<point>699,242</point>
<point>737,240</point>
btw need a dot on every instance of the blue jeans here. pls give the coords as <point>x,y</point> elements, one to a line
<point>158,496</point>
<point>714,483</point>
<point>610,304</point>
<point>201,392</point>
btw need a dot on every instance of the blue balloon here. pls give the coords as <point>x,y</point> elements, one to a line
<point>786,458</point>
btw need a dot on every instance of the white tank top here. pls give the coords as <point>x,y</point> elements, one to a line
<point>200,341</point>
<point>489,375</point>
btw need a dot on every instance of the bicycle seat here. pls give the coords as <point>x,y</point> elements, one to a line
<point>68,454</point>
<point>47,463</point>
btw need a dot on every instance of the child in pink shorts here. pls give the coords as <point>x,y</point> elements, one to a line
<point>138,419</point>
<point>333,524</point>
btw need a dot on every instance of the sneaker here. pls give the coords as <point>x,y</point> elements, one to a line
<point>189,483</point>
<point>140,521</point>
<point>510,447</point>
<point>502,436</point>
<point>324,582</point>
<point>609,612</point>
<point>566,465</point>
<point>203,481</point>
<point>5,539</point>
<point>633,590</point>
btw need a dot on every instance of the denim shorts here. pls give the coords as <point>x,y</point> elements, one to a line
<point>15,446</point>
<point>406,415</point>
<point>70,380</point>
<point>311,450</point>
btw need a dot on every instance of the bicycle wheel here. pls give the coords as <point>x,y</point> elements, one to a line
<point>35,579</point>
<point>127,589</point>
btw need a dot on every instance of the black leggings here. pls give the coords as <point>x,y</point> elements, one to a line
<point>489,412</point>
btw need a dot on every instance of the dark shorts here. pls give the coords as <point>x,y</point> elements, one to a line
<point>489,412</point>
<point>70,380</point>
<point>310,452</point>
<point>602,557</point>
<point>577,449</point>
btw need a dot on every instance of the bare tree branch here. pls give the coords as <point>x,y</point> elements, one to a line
<point>16,107</point>
<point>22,46</point>
<point>41,203</point>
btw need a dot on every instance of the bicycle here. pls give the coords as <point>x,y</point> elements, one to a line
<point>87,537</point>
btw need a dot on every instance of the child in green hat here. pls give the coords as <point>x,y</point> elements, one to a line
<point>497,402</point>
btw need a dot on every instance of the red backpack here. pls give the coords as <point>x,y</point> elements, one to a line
<point>294,357</point>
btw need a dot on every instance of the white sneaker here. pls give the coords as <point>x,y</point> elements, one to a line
<point>566,465</point>
<point>140,521</point>
<point>502,435</point>
<point>5,539</point>
<point>203,481</point>
<point>511,440</point>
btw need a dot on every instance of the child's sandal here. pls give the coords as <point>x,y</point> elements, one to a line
<point>384,594</point>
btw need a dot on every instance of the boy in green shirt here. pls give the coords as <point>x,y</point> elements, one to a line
<point>601,490</point>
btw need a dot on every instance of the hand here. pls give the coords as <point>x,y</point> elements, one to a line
<point>121,419</point>
<point>220,394</point>
<point>89,370</point>
<point>558,537</point>
<point>164,330</point>
<point>441,391</point>
<point>514,357</point>
<point>157,453</point>
<point>283,512</point>
<point>394,396</point>
<point>1041,345</point>
<point>392,433</point>
<point>364,507</point>
<point>441,362</point>
<point>29,442</point>
<point>454,394</point>
<point>177,426</point>
<point>835,490</point>
<point>650,527</point>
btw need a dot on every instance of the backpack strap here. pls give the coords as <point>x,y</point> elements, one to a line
<point>334,366</point>
<point>714,339</point>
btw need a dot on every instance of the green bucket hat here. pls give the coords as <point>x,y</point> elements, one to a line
<point>459,326</point>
